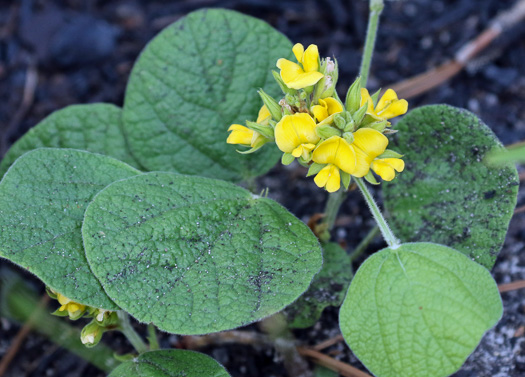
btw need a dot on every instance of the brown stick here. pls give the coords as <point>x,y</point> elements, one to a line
<point>20,337</point>
<point>522,176</point>
<point>422,83</point>
<point>333,364</point>
<point>519,210</point>
<point>511,286</point>
<point>328,342</point>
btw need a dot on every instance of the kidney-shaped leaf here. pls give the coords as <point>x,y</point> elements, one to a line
<point>43,197</point>
<point>94,127</point>
<point>418,310</point>
<point>196,255</point>
<point>448,194</point>
<point>170,363</point>
<point>196,78</point>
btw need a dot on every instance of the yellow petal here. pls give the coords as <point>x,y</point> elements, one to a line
<point>328,177</point>
<point>303,80</point>
<point>370,141</point>
<point>396,108</point>
<point>385,171</point>
<point>397,163</point>
<point>311,59</point>
<point>298,51</point>
<point>62,308</point>
<point>365,97</point>
<point>333,106</point>
<point>337,151</point>
<point>73,307</point>
<point>294,130</point>
<point>240,135</point>
<point>320,112</point>
<point>264,113</point>
<point>63,300</point>
<point>389,96</point>
<point>289,70</point>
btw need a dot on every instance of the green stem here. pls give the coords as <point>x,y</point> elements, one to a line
<point>389,237</point>
<point>376,7</point>
<point>364,243</point>
<point>332,207</point>
<point>152,338</point>
<point>130,333</point>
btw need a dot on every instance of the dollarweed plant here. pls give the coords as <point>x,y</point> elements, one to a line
<point>135,211</point>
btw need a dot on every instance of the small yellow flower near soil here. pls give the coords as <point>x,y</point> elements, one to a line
<point>389,106</point>
<point>306,73</point>
<point>338,155</point>
<point>244,136</point>
<point>295,134</point>
<point>74,309</point>
<point>328,106</point>
<point>386,167</point>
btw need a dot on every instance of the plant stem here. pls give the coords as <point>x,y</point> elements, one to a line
<point>364,243</point>
<point>376,7</point>
<point>130,333</point>
<point>152,338</point>
<point>389,237</point>
<point>332,208</point>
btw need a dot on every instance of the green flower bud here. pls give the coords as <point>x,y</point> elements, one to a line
<point>353,96</point>
<point>339,121</point>
<point>359,115</point>
<point>349,137</point>
<point>266,131</point>
<point>271,104</point>
<point>91,334</point>
<point>326,131</point>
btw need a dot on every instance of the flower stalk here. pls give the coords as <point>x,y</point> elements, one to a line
<point>389,237</point>
<point>376,7</point>
<point>130,333</point>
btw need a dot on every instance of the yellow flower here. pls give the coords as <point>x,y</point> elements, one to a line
<point>368,144</point>
<point>295,134</point>
<point>306,74</point>
<point>386,167</point>
<point>338,155</point>
<point>74,309</point>
<point>389,106</point>
<point>326,107</point>
<point>244,136</point>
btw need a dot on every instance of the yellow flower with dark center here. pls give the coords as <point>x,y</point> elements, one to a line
<point>306,73</point>
<point>73,309</point>
<point>368,144</point>
<point>389,106</point>
<point>328,106</point>
<point>244,136</point>
<point>295,134</point>
<point>337,154</point>
<point>386,167</point>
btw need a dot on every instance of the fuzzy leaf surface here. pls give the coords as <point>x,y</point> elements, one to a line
<point>328,288</point>
<point>43,197</point>
<point>196,255</point>
<point>418,310</point>
<point>448,193</point>
<point>170,363</point>
<point>94,127</point>
<point>191,82</point>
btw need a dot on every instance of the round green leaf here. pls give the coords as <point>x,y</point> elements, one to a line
<point>191,82</point>
<point>43,197</point>
<point>195,255</point>
<point>327,289</point>
<point>95,128</point>
<point>170,363</point>
<point>418,310</point>
<point>448,193</point>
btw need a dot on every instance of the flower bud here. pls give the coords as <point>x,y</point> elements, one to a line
<point>265,130</point>
<point>271,104</point>
<point>326,131</point>
<point>91,334</point>
<point>349,137</point>
<point>339,121</point>
<point>353,96</point>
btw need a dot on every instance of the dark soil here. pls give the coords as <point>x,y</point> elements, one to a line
<point>83,51</point>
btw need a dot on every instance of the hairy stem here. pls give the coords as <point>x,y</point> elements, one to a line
<point>130,333</point>
<point>376,7</point>
<point>389,237</point>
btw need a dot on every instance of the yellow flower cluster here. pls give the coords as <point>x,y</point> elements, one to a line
<point>311,124</point>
